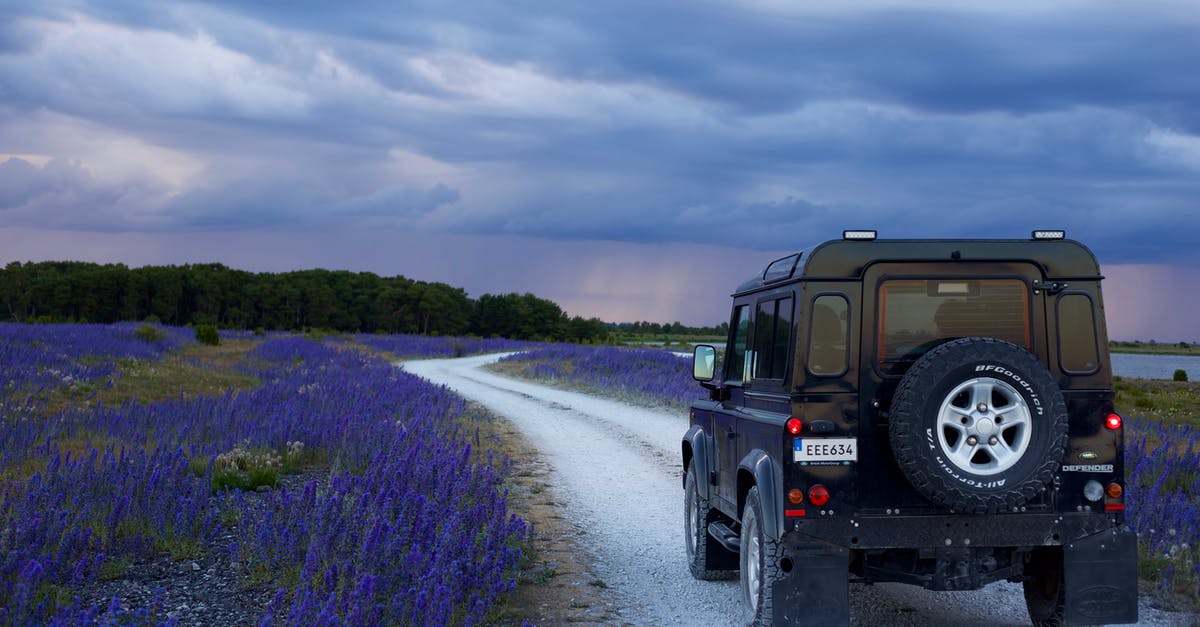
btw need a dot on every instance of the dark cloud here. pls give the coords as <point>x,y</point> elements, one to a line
<point>400,202</point>
<point>22,182</point>
<point>65,195</point>
<point>50,189</point>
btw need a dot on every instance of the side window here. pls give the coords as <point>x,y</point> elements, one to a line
<point>1078,351</point>
<point>736,364</point>
<point>772,332</point>
<point>828,335</point>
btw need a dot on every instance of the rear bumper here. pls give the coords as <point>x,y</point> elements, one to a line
<point>952,530</point>
<point>1099,580</point>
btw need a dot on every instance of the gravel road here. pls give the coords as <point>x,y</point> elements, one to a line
<point>617,469</point>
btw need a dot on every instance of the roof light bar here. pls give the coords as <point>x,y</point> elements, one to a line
<point>1049,234</point>
<point>859,235</point>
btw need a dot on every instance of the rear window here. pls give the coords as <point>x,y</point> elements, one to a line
<point>916,315</point>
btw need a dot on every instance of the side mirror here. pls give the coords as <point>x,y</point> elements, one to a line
<point>704,361</point>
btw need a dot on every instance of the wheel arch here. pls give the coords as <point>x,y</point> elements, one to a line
<point>694,449</point>
<point>758,469</point>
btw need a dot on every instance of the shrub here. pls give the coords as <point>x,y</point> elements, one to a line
<point>246,470</point>
<point>207,334</point>
<point>1180,375</point>
<point>150,333</point>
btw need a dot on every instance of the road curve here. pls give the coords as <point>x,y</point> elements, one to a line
<point>616,468</point>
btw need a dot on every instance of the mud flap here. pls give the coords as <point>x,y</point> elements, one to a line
<point>1100,576</point>
<point>816,590</point>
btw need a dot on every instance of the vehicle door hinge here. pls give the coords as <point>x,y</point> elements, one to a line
<point>1052,287</point>
<point>713,478</point>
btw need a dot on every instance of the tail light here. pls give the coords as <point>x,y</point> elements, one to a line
<point>1114,502</point>
<point>1113,422</point>
<point>818,495</point>
<point>796,496</point>
<point>794,425</point>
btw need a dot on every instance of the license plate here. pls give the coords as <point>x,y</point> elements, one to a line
<point>825,451</point>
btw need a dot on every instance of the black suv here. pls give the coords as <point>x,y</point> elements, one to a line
<point>932,412</point>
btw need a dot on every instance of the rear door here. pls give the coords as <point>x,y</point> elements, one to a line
<point>910,308</point>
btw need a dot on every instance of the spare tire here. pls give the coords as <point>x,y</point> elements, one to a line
<point>978,425</point>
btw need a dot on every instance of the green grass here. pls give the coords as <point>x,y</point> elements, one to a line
<point>1171,402</point>
<point>196,370</point>
<point>1154,348</point>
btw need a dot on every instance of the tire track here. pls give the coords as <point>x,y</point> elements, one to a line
<point>628,505</point>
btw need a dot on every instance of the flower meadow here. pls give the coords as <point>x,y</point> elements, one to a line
<point>1162,460</point>
<point>35,359</point>
<point>1162,463</point>
<point>421,346</point>
<point>398,521</point>
<point>645,375</point>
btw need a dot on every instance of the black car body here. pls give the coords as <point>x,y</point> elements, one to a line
<point>933,412</point>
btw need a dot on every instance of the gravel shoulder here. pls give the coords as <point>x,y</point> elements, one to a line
<point>615,470</point>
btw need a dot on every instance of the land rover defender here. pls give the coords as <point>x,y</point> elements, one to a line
<point>932,412</point>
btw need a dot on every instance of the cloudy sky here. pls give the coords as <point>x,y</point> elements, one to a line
<point>629,160</point>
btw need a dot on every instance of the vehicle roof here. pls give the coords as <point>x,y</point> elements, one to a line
<point>848,259</point>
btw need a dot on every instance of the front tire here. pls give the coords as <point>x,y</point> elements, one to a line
<point>759,563</point>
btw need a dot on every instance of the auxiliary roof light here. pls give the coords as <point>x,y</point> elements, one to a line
<point>864,235</point>
<point>1049,234</point>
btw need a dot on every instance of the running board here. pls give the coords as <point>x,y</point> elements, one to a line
<point>725,536</point>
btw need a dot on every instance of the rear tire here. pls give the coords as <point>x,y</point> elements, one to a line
<point>759,564</point>
<point>1044,591</point>
<point>707,559</point>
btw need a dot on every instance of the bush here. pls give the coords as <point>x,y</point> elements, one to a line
<point>1180,375</point>
<point>150,333</point>
<point>207,334</point>
<point>246,470</point>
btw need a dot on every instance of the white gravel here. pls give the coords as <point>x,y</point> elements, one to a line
<point>617,469</point>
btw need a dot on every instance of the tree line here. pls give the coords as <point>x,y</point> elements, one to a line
<point>645,328</point>
<point>212,294</point>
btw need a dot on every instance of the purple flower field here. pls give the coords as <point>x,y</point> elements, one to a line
<point>644,375</point>
<point>409,528</point>
<point>38,358</point>
<point>1163,483</point>
<point>1163,465</point>
<point>433,346</point>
